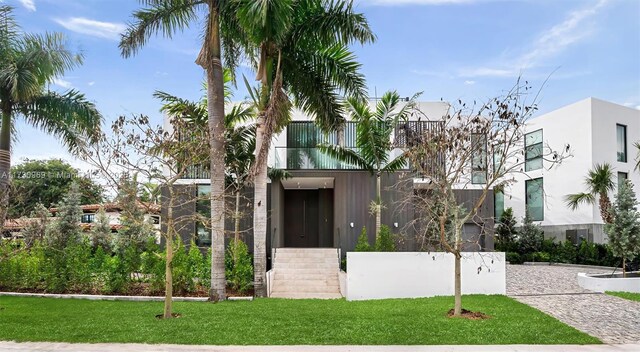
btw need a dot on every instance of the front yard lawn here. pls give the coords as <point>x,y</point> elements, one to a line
<point>283,322</point>
<point>626,295</point>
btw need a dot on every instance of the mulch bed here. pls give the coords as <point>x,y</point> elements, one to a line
<point>467,314</point>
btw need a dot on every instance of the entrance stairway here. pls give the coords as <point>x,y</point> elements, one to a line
<point>305,273</point>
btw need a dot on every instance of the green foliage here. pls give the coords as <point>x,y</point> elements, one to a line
<point>624,231</point>
<point>36,229</point>
<point>506,229</point>
<point>384,241</point>
<point>46,182</point>
<point>101,236</point>
<point>587,253</point>
<point>363,242</point>
<point>530,236</point>
<point>64,230</point>
<point>513,258</point>
<point>540,257</point>
<point>565,253</point>
<point>135,231</point>
<point>239,267</point>
<point>183,279</point>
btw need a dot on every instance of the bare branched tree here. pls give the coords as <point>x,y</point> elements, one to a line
<point>160,156</point>
<point>475,148</point>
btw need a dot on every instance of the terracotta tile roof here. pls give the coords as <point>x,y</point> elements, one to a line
<point>113,206</point>
<point>19,224</point>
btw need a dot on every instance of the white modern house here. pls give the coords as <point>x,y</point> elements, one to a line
<point>597,132</point>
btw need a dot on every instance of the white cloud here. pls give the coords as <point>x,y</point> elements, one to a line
<point>469,83</point>
<point>62,83</point>
<point>28,4</point>
<point>415,2</point>
<point>107,30</point>
<point>91,83</point>
<point>548,44</point>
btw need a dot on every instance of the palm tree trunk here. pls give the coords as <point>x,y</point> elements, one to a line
<point>210,60</point>
<point>5,164</point>
<point>378,205</point>
<point>605,208</point>
<point>260,217</point>
<point>236,229</point>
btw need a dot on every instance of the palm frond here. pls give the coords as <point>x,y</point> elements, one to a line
<point>238,114</point>
<point>278,174</point>
<point>174,106</point>
<point>573,201</point>
<point>637,145</point>
<point>160,17</point>
<point>600,179</point>
<point>68,116</point>
<point>399,163</point>
<point>345,155</point>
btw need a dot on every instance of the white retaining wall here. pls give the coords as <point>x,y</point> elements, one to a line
<point>379,275</point>
<point>602,284</point>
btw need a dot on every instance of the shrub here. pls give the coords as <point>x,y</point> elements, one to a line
<point>530,236</point>
<point>78,262</point>
<point>196,262</point>
<point>513,258</point>
<point>540,257</point>
<point>238,266</point>
<point>587,253</point>
<point>506,230</point>
<point>566,253</point>
<point>384,241</point>
<point>363,242</point>
<point>116,277</point>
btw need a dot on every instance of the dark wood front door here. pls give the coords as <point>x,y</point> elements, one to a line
<point>301,224</point>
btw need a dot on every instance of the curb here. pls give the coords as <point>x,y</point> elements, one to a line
<point>583,266</point>
<point>105,297</point>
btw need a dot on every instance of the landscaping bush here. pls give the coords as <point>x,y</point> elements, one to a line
<point>363,242</point>
<point>513,258</point>
<point>238,266</point>
<point>566,253</point>
<point>384,240</point>
<point>587,253</point>
<point>530,237</point>
<point>540,257</point>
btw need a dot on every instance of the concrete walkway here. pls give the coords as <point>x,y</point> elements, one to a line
<point>555,291</point>
<point>106,347</point>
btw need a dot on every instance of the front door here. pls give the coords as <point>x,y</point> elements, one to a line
<point>302,211</point>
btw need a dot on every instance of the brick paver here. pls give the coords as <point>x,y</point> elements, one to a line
<point>555,291</point>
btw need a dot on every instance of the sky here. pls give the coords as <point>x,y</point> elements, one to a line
<point>447,49</point>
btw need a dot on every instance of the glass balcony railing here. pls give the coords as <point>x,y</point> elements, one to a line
<point>307,159</point>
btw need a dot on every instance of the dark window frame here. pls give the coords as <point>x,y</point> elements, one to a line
<point>482,158</point>
<point>624,155</point>
<point>528,148</point>
<point>527,201</point>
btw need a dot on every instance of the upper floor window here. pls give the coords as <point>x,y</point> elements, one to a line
<point>479,158</point>
<point>88,218</point>
<point>498,205</point>
<point>535,199</point>
<point>533,150</point>
<point>621,139</point>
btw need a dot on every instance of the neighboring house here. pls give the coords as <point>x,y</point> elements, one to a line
<point>112,210</point>
<point>597,132</point>
<point>325,204</point>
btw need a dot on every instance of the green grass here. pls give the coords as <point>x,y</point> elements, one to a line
<point>283,322</point>
<point>626,295</point>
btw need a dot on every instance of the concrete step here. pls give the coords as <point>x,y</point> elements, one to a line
<point>306,289</point>
<point>295,275</point>
<point>304,265</point>
<point>306,295</point>
<point>279,259</point>
<point>308,283</point>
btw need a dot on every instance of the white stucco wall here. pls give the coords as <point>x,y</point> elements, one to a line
<point>589,127</point>
<point>380,275</point>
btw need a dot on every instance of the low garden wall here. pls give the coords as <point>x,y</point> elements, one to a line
<point>610,282</point>
<point>379,275</point>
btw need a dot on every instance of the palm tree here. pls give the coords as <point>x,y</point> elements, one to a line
<point>28,63</point>
<point>373,140</point>
<point>599,183</point>
<point>302,53</point>
<point>221,32</point>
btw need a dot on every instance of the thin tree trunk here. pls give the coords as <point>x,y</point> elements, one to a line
<point>168,284</point>
<point>378,205</point>
<point>210,60</point>
<point>5,164</point>
<point>168,266</point>
<point>457,307</point>
<point>260,218</point>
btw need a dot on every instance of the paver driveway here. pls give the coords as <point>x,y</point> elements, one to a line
<point>555,291</point>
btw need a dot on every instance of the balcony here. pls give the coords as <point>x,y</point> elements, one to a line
<point>306,159</point>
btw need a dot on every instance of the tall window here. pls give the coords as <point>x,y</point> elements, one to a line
<point>622,176</point>
<point>534,199</point>
<point>203,207</point>
<point>498,205</point>
<point>621,138</point>
<point>533,150</point>
<point>88,218</point>
<point>479,159</point>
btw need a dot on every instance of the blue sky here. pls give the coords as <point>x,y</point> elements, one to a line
<point>450,49</point>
